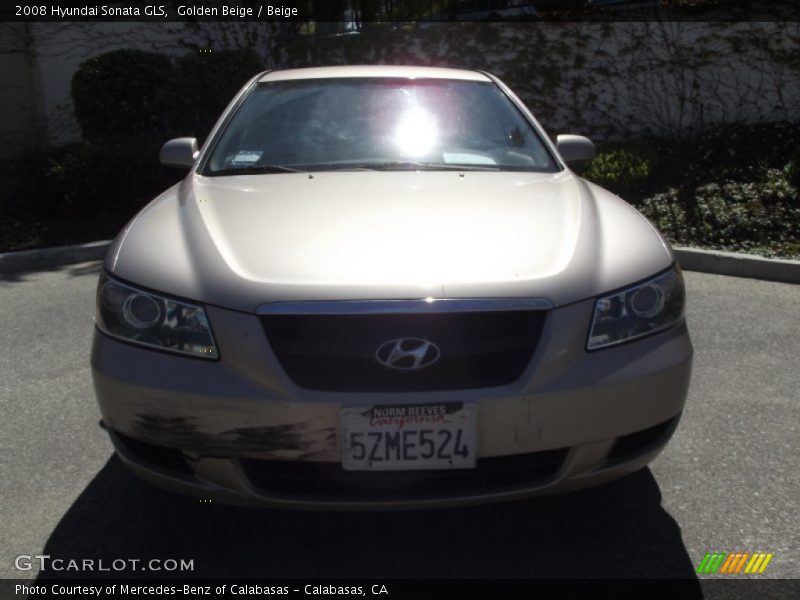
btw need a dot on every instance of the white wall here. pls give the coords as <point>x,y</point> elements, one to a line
<point>664,78</point>
<point>611,80</point>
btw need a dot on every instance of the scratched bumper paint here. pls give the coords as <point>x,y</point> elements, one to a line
<point>245,406</point>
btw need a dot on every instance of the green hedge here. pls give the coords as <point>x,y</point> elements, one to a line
<point>762,216</point>
<point>793,168</point>
<point>641,168</point>
<point>733,187</point>
<point>204,85</point>
<point>133,92</point>
<point>122,92</point>
<point>127,103</point>
<point>622,171</point>
<point>79,193</point>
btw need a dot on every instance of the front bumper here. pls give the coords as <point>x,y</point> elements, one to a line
<point>219,430</point>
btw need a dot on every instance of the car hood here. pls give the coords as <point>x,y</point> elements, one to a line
<point>245,240</point>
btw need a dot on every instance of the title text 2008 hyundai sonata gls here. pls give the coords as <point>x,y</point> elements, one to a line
<point>383,287</point>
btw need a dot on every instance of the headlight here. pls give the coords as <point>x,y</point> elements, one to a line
<point>151,320</point>
<point>638,311</point>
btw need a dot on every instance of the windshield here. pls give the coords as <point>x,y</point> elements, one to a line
<point>380,124</point>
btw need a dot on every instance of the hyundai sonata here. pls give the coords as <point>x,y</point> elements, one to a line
<point>384,287</point>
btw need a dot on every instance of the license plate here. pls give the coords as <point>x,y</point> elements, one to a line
<point>409,437</point>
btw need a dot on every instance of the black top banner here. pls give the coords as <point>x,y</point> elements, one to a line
<point>358,12</point>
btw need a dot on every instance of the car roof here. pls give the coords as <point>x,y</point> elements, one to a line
<point>407,72</point>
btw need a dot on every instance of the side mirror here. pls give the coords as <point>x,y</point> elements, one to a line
<point>575,148</point>
<point>180,152</point>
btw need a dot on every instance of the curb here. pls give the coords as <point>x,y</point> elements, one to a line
<point>690,259</point>
<point>738,265</point>
<point>45,258</point>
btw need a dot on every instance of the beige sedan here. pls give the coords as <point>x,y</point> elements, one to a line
<point>383,287</point>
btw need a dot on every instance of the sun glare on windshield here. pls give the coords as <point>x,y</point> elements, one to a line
<point>416,132</point>
<point>368,123</point>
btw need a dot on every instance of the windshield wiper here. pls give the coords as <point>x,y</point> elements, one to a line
<point>402,165</point>
<point>255,170</point>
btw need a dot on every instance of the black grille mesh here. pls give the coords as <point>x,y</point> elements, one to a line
<point>337,352</point>
<point>330,480</point>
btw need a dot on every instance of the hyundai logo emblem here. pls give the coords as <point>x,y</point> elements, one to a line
<point>407,354</point>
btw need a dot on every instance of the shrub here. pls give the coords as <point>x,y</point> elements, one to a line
<point>621,171</point>
<point>107,178</point>
<point>666,211</point>
<point>793,168</point>
<point>203,86</point>
<point>734,152</point>
<point>762,214</point>
<point>121,93</point>
<point>128,103</point>
<point>134,93</point>
<point>79,193</point>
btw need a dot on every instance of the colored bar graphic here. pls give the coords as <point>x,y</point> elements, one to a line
<point>758,563</point>
<point>767,558</point>
<point>728,564</point>
<point>711,562</point>
<point>741,562</point>
<point>704,563</point>
<point>733,563</point>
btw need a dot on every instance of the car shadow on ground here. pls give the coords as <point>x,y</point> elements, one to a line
<point>617,530</point>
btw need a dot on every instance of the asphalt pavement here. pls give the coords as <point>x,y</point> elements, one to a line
<point>727,482</point>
